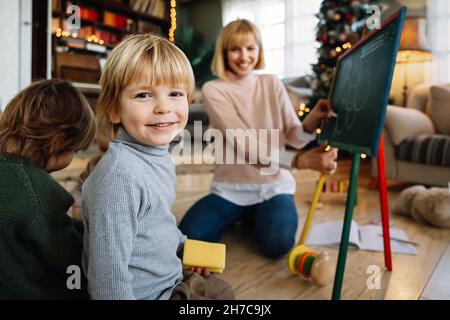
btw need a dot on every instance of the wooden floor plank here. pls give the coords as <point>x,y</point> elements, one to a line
<point>438,287</point>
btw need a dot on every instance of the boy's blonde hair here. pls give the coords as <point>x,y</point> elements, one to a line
<point>236,33</point>
<point>49,117</point>
<point>141,57</point>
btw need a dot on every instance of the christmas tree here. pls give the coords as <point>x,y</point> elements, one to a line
<point>341,23</point>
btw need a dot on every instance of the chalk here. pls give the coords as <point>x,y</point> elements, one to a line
<point>333,114</point>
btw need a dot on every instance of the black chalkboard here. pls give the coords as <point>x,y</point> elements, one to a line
<point>360,89</point>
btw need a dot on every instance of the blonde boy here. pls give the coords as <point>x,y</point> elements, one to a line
<point>131,239</point>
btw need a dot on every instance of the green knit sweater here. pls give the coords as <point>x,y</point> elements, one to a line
<point>38,241</point>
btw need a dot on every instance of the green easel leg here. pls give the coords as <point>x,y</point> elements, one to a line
<point>343,248</point>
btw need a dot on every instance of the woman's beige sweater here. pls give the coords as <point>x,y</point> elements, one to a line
<point>253,102</point>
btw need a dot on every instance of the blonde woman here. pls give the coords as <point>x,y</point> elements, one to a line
<point>242,99</point>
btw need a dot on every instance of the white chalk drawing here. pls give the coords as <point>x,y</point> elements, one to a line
<point>351,101</point>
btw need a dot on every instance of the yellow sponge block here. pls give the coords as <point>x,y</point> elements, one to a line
<point>204,254</point>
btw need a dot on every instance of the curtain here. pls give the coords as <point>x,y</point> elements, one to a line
<point>288,29</point>
<point>439,37</point>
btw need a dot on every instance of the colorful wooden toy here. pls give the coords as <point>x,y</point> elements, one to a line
<point>318,267</point>
<point>335,186</point>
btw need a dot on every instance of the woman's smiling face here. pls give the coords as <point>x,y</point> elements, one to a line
<point>242,59</point>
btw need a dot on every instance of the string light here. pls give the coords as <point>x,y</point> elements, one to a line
<point>338,49</point>
<point>347,45</point>
<point>302,106</point>
<point>92,38</point>
<point>173,20</point>
<point>363,156</point>
<point>318,131</point>
<point>300,113</point>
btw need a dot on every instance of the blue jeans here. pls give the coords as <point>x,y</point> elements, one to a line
<point>274,222</point>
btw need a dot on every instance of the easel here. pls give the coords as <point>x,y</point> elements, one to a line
<point>350,204</point>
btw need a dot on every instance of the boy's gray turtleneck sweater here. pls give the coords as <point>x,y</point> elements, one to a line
<point>131,237</point>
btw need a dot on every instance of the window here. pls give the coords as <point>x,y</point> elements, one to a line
<point>439,35</point>
<point>288,29</point>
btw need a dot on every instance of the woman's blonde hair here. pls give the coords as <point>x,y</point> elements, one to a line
<point>141,57</point>
<point>49,117</point>
<point>236,33</point>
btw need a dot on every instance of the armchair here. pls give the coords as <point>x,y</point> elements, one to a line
<point>417,138</point>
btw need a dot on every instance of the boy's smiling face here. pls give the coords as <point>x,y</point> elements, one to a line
<point>152,115</point>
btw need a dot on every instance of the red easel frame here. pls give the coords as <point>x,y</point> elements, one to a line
<point>382,188</point>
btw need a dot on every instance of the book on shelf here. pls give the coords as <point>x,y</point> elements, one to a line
<point>151,8</point>
<point>140,5</point>
<point>88,14</point>
<point>95,47</point>
<point>132,4</point>
<point>145,5</point>
<point>56,24</point>
<point>81,44</point>
<point>86,31</point>
<point>56,5</point>
<point>154,8</point>
<point>75,43</point>
<point>110,38</point>
<point>364,237</point>
<point>114,20</point>
<point>160,9</point>
<point>131,26</point>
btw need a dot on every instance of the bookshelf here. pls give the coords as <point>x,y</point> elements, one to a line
<point>77,55</point>
<point>103,24</point>
<point>110,21</point>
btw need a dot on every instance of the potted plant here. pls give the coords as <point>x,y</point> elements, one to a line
<point>200,56</point>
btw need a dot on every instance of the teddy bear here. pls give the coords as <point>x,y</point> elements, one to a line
<point>429,206</point>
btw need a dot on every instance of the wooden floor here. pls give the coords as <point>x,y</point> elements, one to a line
<point>255,277</point>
